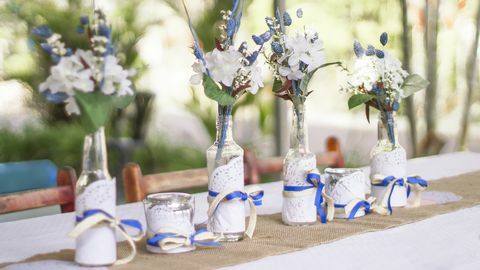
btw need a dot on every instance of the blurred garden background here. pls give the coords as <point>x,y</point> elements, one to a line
<point>171,123</point>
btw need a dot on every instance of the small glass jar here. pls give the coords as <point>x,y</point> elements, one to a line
<point>388,158</point>
<point>169,213</point>
<point>345,185</point>
<point>298,162</point>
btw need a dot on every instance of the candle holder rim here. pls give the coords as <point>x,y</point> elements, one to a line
<point>167,196</point>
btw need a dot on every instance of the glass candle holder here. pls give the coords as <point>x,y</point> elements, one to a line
<point>169,213</point>
<point>345,185</point>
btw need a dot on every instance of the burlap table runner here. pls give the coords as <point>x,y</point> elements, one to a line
<point>273,238</point>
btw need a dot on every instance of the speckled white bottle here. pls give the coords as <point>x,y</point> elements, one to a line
<point>298,162</point>
<point>95,189</point>
<point>387,158</point>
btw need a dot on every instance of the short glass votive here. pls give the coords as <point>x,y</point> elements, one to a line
<point>169,213</point>
<point>345,185</point>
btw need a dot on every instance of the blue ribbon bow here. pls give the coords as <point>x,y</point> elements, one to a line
<point>123,222</point>
<point>415,180</point>
<point>314,180</point>
<point>385,182</point>
<point>157,238</point>
<point>355,209</point>
<point>256,197</point>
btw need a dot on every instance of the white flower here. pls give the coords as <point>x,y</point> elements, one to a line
<point>199,70</point>
<point>256,80</point>
<point>304,55</point>
<point>223,65</point>
<point>115,78</point>
<point>68,76</point>
<point>71,106</point>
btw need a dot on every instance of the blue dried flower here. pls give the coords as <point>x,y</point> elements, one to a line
<point>42,31</point>
<point>370,50</point>
<point>299,13</point>
<point>287,20</point>
<point>56,98</point>
<point>269,22</point>
<point>358,49</point>
<point>55,58</point>
<point>80,29</point>
<point>104,30</point>
<point>198,53</point>
<point>379,54</point>
<point>396,105</point>
<point>69,52</point>
<point>231,26</point>
<point>46,47</point>
<point>266,36</point>
<point>252,58</point>
<point>84,20</point>
<point>376,90</point>
<point>258,40</point>
<point>384,38</point>
<point>277,47</point>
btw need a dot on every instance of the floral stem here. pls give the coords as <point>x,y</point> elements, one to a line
<point>225,114</point>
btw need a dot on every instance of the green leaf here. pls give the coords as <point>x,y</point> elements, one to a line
<point>213,91</point>
<point>359,99</point>
<point>95,109</point>
<point>277,85</point>
<point>306,80</point>
<point>413,83</point>
<point>121,102</point>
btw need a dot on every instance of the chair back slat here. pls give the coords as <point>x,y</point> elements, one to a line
<point>175,180</point>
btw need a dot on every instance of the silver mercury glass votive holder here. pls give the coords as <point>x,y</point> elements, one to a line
<point>345,185</point>
<point>170,212</point>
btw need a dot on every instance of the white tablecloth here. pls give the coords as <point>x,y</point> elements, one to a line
<point>450,241</point>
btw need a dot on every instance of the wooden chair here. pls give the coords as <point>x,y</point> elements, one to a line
<point>63,194</point>
<point>136,186</point>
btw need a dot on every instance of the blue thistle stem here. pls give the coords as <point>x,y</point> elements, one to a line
<point>390,125</point>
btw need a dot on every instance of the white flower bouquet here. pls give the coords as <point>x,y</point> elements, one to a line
<point>379,81</point>
<point>90,82</point>
<point>294,59</point>
<point>227,72</point>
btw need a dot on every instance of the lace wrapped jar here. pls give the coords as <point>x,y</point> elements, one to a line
<point>95,190</point>
<point>388,158</point>
<point>299,161</point>
<point>225,172</point>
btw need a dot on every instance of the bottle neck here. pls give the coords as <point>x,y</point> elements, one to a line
<point>387,128</point>
<point>95,152</point>
<point>224,125</point>
<point>298,132</point>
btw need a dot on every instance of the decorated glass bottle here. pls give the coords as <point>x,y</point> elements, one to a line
<point>388,158</point>
<point>95,189</point>
<point>298,162</point>
<point>225,172</point>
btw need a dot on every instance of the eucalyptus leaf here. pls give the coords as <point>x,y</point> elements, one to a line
<point>213,91</point>
<point>359,99</point>
<point>413,83</point>
<point>277,85</point>
<point>121,102</point>
<point>95,109</point>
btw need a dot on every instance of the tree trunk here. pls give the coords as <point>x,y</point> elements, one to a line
<point>409,102</point>
<point>431,144</point>
<point>471,76</point>
<point>281,137</point>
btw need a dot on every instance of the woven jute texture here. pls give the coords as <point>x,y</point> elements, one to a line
<point>272,237</point>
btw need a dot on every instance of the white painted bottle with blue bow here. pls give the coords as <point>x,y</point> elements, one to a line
<point>388,158</point>
<point>225,172</point>
<point>299,161</point>
<point>95,190</point>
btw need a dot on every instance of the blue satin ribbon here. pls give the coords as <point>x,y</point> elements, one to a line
<point>385,183</point>
<point>157,238</point>
<point>256,198</point>
<point>315,181</point>
<point>126,222</point>
<point>415,180</point>
<point>355,209</point>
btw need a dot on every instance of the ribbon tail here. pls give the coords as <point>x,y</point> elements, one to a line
<point>133,251</point>
<point>87,224</point>
<point>330,206</point>
<point>252,220</point>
